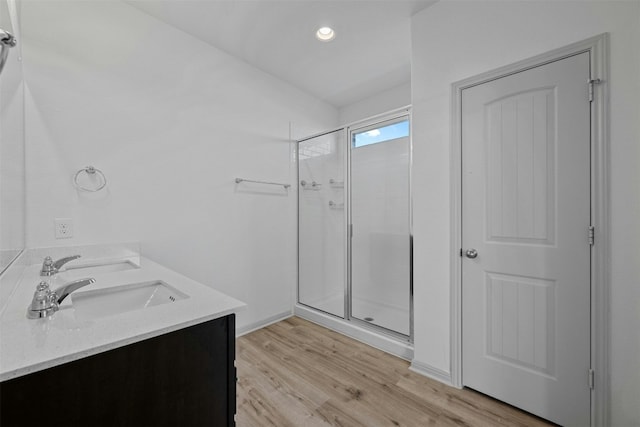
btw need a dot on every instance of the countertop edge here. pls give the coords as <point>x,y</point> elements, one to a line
<point>200,315</point>
<point>6,376</point>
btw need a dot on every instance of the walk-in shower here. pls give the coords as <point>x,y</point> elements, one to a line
<point>354,225</point>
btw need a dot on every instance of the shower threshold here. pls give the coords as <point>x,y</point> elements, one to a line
<point>375,337</point>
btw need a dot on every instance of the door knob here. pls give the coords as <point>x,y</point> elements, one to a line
<point>471,253</point>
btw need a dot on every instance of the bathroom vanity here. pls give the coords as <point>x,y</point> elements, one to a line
<point>182,378</point>
<point>164,364</point>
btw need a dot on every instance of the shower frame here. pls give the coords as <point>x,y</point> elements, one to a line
<point>347,131</point>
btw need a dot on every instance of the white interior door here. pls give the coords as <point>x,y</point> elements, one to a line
<point>525,217</point>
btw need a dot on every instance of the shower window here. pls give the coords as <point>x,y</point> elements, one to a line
<point>381,134</point>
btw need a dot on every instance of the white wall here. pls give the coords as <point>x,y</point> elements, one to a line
<point>171,121</point>
<point>453,40</point>
<point>397,97</point>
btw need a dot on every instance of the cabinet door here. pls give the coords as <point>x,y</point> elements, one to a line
<point>183,378</point>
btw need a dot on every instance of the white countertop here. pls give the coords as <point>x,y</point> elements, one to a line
<point>28,345</point>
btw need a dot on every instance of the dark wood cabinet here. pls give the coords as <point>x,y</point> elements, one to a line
<point>182,378</point>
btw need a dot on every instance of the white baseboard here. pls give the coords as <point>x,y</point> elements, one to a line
<point>431,372</point>
<point>262,323</point>
<point>389,345</point>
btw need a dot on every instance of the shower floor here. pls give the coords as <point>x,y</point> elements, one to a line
<point>383,315</point>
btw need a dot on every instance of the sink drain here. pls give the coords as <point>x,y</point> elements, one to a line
<point>369,319</point>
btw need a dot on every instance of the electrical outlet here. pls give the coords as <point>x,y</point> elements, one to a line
<point>64,228</point>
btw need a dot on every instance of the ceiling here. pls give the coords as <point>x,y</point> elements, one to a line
<point>371,52</point>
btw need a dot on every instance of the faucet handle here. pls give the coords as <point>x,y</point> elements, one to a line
<point>41,297</point>
<point>63,291</point>
<point>43,303</point>
<point>47,267</point>
<point>62,261</point>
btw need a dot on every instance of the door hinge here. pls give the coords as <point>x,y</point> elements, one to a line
<point>592,379</point>
<point>592,235</point>
<point>591,83</point>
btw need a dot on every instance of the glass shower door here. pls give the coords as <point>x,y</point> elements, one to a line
<point>321,223</point>
<point>380,217</point>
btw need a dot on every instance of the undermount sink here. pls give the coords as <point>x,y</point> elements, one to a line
<point>72,271</point>
<point>121,299</point>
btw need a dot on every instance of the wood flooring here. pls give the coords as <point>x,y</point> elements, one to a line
<point>296,373</point>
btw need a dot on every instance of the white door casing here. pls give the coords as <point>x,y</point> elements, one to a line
<point>526,210</point>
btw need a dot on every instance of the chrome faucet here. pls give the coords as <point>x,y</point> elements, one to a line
<point>46,302</point>
<point>49,267</point>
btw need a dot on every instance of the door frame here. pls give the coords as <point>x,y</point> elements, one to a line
<point>597,47</point>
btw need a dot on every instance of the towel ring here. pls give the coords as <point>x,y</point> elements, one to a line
<point>90,170</point>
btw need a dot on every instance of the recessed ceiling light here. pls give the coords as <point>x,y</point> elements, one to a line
<point>325,34</point>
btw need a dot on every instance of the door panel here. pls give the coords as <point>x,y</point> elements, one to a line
<point>526,210</point>
<point>520,173</point>
<point>381,244</point>
<point>321,233</point>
